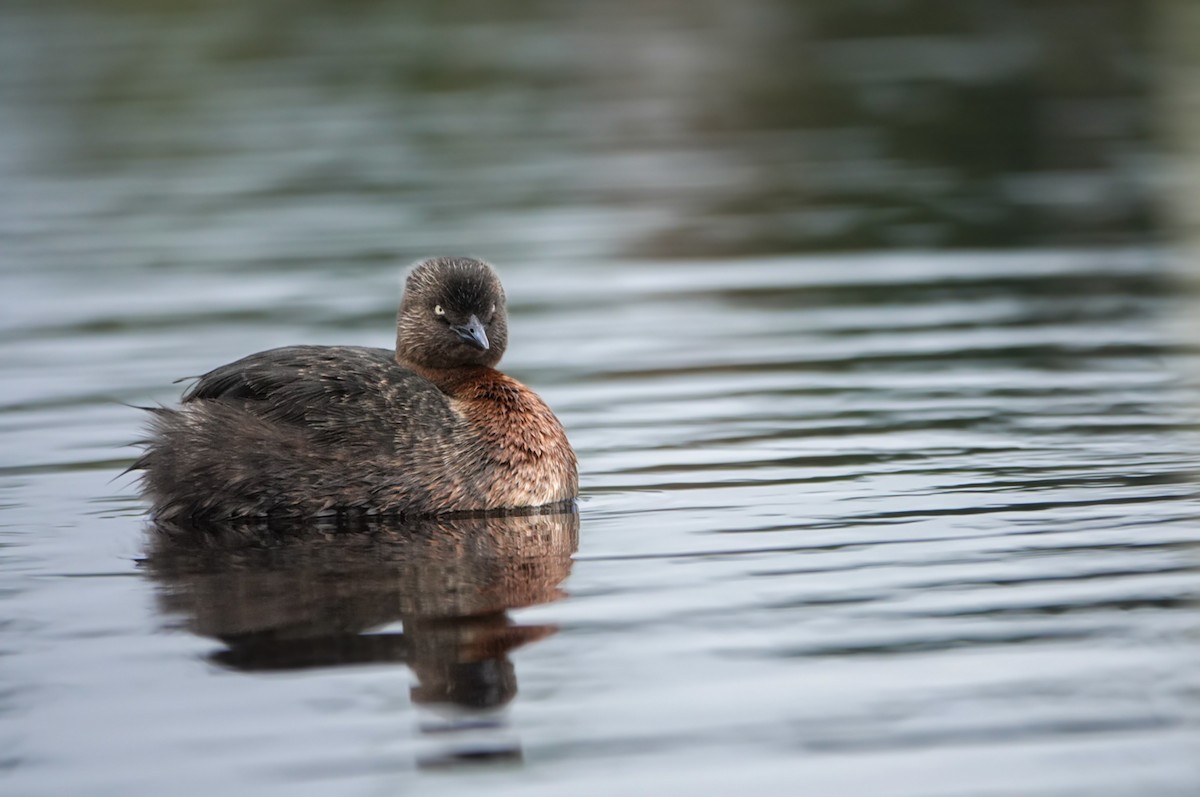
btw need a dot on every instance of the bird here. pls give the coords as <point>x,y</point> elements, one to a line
<point>429,429</point>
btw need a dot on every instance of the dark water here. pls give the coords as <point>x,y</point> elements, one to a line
<point>903,522</point>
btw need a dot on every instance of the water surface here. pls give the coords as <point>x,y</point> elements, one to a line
<point>906,522</point>
<point>904,529</point>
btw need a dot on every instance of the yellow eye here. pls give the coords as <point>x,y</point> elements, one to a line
<point>438,311</point>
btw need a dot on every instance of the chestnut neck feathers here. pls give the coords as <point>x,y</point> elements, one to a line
<point>452,329</point>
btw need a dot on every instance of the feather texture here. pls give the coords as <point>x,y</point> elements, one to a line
<point>313,430</point>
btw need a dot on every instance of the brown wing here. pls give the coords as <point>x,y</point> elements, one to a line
<point>349,396</point>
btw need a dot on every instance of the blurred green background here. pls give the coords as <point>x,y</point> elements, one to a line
<point>232,132</point>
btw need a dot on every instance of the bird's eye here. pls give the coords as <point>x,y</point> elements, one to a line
<point>438,310</point>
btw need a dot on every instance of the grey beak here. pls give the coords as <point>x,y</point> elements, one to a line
<point>473,332</point>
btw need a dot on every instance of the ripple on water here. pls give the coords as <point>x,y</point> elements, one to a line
<point>869,524</point>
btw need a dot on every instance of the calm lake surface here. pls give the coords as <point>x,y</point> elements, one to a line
<point>905,522</point>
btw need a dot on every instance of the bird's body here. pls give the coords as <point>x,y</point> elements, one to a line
<point>428,429</point>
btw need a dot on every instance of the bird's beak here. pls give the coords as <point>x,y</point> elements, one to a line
<point>474,333</point>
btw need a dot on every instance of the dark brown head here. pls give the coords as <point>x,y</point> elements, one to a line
<point>452,315</point>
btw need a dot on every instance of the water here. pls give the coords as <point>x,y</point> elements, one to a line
<point>895,523</point>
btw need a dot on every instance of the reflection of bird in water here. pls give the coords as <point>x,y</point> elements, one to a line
<point>297,597</point>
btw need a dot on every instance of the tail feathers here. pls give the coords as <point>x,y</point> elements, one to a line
<point>217,460</point>
<point>143,462</point>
